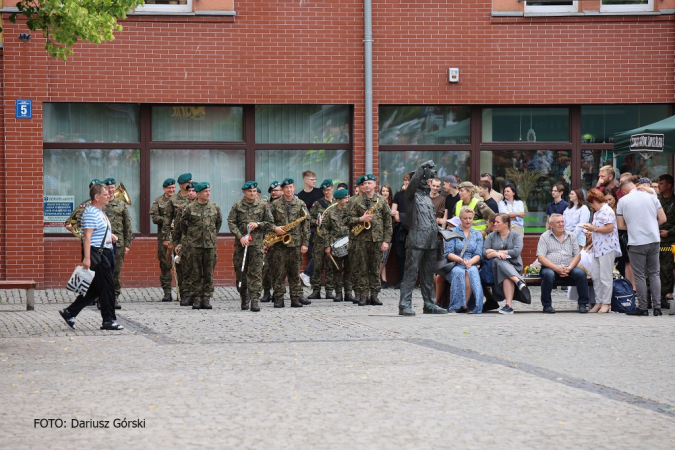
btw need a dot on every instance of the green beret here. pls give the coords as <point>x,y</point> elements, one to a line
<point>249,185</point>
<point>369,177</point>
<point>95,181</point>
<point>169,182</point>
<point>326,184</point>
<point>360,180</point>
<point>201,186</point>
<point>287,181</point>
<point>185,178</point>
<point>191,185</point>
<point>340,193</point>
<point>110,182</point>
<point>273,185</point>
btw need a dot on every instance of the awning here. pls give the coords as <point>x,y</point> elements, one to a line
<point>656,137</point>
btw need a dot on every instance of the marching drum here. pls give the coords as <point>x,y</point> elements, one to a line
<point>339,247</point>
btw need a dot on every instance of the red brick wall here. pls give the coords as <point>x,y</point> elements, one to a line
<point>312,52</point>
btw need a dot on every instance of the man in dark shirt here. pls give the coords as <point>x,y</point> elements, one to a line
<point>437,200</point>
<point>450,186</point>
<point>558,205</point>
<point>484,189</point>
<point>309,195</point>
<point>400,227</point>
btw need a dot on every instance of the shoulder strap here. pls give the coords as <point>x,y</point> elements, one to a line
<point>466,243</point>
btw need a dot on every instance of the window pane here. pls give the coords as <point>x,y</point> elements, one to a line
<point>67,173</point>
<point>526,124</point>
<point>410,125</point>
<point>302,124</point>
<point>591,162</point>
<point>635,163</point>
<point>197,123</point>
<point>599,123</point>
<point>223,169</point>
<point>534,173</point>
<point>275,165</point>
<point>393,165</point>
<point>91,122</point>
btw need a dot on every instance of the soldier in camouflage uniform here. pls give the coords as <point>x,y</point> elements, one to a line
<point>369,245</point>
<point>76,216</point>
<point>157,212</point>
<point>667,232</point>
<point>120,222</point>
<point>287,258</point>
<point>275,192</point>
<point>170,224</point>
<point>199,225</point>
<point>334,228</point>
<point>348,275</point>
<point>249,220</point>
<point>319,255</point>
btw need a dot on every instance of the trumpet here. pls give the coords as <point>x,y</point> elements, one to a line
<point>365,225</point>
<point>121,191</point>
<point>273,238</point>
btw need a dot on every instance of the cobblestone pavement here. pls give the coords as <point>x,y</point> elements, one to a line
<point>333,375</point>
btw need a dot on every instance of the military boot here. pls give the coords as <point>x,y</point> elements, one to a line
<point>329,294</point>
<point>338,297</point>
<point>295,303</point>
<point>430,307</point>
<point>255,305</point>
<point>185,300</point>
<point>363,300</point>
<point>196,302</point>
<point>167,297</point>
<point>266,297</point>
<point>245,301</point>
<point>356,299</point>
<point>374,300</point>
<point>304,301</point>
<point>316,294</point>
<point>278,302</point>
<point>206,303</point>
<point>348,296</point>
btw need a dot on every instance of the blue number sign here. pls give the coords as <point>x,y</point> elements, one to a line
<point>24,109</point>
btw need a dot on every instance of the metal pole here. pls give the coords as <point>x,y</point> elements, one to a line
<point>368,41</point>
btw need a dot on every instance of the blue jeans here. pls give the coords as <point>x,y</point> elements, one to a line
<point>548,277</point>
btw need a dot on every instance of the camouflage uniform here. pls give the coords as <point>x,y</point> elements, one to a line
<point>287,258</point>
<point>366,253</point>
<point>199,227</point>
<point>76,217</point>
<point>170,224</point>
<point>241,214</point>
<point>319,253</point>
<point>334,227</point>
<point>266,272</point>
<point>666,254</point>
<point>157,212</point>
<point>120,222</point>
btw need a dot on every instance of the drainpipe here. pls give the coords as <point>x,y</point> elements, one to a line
<point>368,41</point>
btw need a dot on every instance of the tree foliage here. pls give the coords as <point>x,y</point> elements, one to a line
<point>64,22</point>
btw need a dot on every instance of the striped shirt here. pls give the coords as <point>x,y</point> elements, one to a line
<point>94,218</point>
<point>559,253</point>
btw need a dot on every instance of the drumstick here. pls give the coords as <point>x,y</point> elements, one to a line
<point>331,258</point>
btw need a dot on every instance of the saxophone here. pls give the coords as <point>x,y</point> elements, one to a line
<point>323,216</point>
<point>273,238</point>
<point>365,225</point>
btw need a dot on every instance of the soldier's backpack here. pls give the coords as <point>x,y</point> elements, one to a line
<point>623,297</point>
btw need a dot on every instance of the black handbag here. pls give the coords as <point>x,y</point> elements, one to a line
<point>444,267</point>
<point>96,256</point>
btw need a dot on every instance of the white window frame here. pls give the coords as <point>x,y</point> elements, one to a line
<point>649,7</point>
<point>152,8</point>
<point>544,9</point>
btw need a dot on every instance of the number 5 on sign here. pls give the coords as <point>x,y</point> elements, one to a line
<point>24,109</point>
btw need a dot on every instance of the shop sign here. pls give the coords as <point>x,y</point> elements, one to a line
<point>646,142</point>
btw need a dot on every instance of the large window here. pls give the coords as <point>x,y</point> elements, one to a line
<point>395,164</point>
<point>424,125</point>
<point>526,125</point>
<point>533,172</point>
<point>142,145</point>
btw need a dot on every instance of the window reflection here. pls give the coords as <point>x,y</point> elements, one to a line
<point>393,165</point>
<point>424,125</point>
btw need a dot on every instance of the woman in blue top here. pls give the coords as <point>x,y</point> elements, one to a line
<point>514,207</point>
<point>465,253</point>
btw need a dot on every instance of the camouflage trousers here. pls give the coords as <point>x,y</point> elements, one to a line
<point>339,275</point>
<point>285,262</point>
<point>198,272</point>
<point>321,261</point>
<point>164,267</point>
<point>266,274</point>
<point>251,282</point>
<point>117,273</point>
<point>349,267</point>
<point>366,257</point>
<point>667,266</point>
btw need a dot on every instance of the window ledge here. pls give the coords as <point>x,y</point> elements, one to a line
<point>663,12</point>
<point>183,13</point>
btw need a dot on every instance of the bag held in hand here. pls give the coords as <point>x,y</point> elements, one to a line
<point>80,280</point>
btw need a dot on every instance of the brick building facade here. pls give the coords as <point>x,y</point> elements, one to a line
<point>537,90</point>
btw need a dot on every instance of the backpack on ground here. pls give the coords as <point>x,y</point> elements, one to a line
<point>623,297</point>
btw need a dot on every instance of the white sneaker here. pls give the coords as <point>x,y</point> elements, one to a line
<point>305,279</point>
